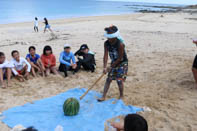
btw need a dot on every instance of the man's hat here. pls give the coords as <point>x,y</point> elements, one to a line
<point>83,47</point>
<point>67,46</point>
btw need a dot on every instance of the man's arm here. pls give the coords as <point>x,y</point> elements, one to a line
<point>120,54</point>
<point>87,59</point>
<point>73,59</point>
<point>28,65</point>
<point>105,58</point>
<point>63,61</point>
<point>32,64</point>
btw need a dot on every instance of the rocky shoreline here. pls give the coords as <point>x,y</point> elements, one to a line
<point>170,9</point>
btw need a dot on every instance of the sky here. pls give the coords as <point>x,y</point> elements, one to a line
<point>182,2</point>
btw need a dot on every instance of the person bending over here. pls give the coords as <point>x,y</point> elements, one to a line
<point>132,122</point>
<point>5,71</point>
<point>119,62</point>
<point>35,61</point>
<point>49,61</point>
<point>88,60</point>
<point>21,68</point>
<point>67,60</point>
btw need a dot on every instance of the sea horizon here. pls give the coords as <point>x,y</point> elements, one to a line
<point>25,11</point>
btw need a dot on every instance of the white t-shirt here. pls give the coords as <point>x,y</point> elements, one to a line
<point>36,23</point>
<point>20,65</point>
<point>5,65</point>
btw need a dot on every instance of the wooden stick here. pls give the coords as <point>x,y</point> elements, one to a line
<point>92,86</point>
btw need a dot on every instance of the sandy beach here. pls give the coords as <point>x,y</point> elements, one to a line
<point>160,52</point>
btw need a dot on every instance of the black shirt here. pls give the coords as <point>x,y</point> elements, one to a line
<point>113,51</point>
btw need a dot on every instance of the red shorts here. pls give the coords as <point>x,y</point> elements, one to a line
<point>19,72</point>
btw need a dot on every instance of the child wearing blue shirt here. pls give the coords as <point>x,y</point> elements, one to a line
<point>35,61</point>
<point>67,60</point>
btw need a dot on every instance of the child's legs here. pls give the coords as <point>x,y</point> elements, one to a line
<point>194,70</point>
<point>1,77</point>
<point>47,71</point>
<point>106,87</point>
<point>54,70</point>
<point>24,70</point>
<point>9,74</point>
<point>50,30</point>
<point>120,86</point>
<point>45,29</point>
<point>33,71</point>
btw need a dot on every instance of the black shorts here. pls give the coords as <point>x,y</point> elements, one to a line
<point>195,63</point>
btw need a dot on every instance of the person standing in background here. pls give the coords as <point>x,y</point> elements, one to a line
<point>36,24</point>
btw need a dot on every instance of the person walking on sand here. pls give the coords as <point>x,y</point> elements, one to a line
<point>119,62</point>
<point>194,66</point>
<point>47,26</point>
<point>36,24</point>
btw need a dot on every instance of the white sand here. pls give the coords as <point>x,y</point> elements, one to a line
<point>160,53</point>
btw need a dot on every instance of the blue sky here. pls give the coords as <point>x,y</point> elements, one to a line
<point>185,2</point>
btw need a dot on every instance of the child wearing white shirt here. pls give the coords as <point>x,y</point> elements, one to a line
<point>22,67</point>
<point>5,70</point>
<point>36,24</point>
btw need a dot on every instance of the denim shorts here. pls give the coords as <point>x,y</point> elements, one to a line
<point>47,26</point>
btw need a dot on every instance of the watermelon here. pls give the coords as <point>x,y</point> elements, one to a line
<point>71,107</point>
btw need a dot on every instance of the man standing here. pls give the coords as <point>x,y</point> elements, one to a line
<point>119,62</point>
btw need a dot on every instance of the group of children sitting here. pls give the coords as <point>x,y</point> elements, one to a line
<point>21,67</point>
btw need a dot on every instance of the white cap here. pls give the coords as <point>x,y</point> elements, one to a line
<point>66,45</point>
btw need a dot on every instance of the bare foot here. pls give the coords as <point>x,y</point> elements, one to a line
<point>21,79</point>
<point>9,85</point>
<point>4,86</point>
<point>121,97</point>
<point>119,126</point>
<point>101,99</point>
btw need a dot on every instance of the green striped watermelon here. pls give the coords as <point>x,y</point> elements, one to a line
<point>71,107</point>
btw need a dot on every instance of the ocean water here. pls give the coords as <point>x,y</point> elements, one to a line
<point>25,10</point>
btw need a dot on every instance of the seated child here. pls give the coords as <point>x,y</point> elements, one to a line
<point>49,61</point>
<point>21,66</point>
<point>88,61</point>
<point>194,66</point>
<point>65,59</point>
<point>35,61</point>
<point>132,122</point>
<point>5,70</point>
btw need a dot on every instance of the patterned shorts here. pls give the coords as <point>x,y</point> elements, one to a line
<point>119,72</point>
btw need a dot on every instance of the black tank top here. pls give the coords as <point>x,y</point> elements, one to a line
<point>113,51</point>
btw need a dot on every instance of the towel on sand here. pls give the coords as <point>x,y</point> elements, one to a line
<point>47,113</point>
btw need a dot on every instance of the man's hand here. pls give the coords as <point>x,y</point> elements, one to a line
<point>20,76</point>
<point>118,126</point>
<point>27,74</point>
<point>38,69</point>
<point>195,41</point>
<point>74,66</point>
<point>105,70</point>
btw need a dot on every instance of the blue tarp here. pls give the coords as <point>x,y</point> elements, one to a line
<point>47,113</point>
